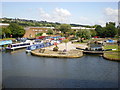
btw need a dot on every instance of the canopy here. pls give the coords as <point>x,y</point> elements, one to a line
<point>44,34</point>
<point>5,42</point>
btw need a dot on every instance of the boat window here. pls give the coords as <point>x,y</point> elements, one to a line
<point>28,44</point>
<point>18,45</point>
<point>13,45</point>
<point>21,44</point>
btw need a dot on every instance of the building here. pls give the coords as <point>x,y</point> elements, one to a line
<point>4,24</point>
<point>31,32</point>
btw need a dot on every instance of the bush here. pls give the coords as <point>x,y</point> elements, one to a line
<point>55,48</point>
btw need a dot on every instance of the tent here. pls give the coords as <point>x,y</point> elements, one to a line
<point>110,41</point>
<point>44,34</point>
<point>5,42</point>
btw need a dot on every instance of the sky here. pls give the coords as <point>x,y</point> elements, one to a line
<point>85,13</point>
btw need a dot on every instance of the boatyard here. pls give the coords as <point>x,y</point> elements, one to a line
<point>71,51</point>
<point>59,45</point>
<point>30,71</point>
<point>65,50</point>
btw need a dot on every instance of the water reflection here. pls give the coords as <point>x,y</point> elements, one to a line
<point>22,70</point>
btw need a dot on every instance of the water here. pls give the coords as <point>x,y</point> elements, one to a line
<point>21,70</point>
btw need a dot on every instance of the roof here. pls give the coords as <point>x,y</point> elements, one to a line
<point>4,24</point>
<point>81,28</point>
<point>54,28</point>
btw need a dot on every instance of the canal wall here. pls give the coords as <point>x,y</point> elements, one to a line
<point>58,54</point>
<point>105,56</point>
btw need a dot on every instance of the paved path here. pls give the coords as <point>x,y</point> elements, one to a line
<point>70,46</point>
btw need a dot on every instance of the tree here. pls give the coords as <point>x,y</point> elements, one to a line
<point>118,31</point>
<point>64,28</point>
<point>87,34</point>
<point>83,34</point>
<point>6,32</point>
<point>39,34</point>
<point>50,32</point>
<point>16,30</point>
<point>57,27</point>
<point>72,32</point>
<point>110,30</point>
<point>99,30</point>
<point>93,32</point>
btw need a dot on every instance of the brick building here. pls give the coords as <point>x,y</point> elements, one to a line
<point>31,32</point>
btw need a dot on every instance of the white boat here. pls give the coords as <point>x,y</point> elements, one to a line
<point>17,46</point>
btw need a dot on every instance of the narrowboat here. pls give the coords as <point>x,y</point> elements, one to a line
<point>17,46</point>
<point>37,46</point>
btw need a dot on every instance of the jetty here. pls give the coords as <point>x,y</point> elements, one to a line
<point>57,54</point>
<point>71,51</point>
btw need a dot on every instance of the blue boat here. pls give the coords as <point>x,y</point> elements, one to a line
<point>38,46</point>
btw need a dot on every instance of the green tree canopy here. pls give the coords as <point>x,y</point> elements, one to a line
<point>99,30</point>
<point>50,32</point>
<point>83,34</point>
<point>5,31</point>
<point>16,30</point>
<point>64,28</point>
<point>110,30</point>
<point>93,32</point>
<point>39,34</point>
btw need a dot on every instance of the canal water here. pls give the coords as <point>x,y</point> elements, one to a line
<point>21,70</point>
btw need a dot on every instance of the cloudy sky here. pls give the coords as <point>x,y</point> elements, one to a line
<point>85,13</point>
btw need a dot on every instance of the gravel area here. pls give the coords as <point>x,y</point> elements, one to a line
<point>70,46</point>
<point>71,52</point>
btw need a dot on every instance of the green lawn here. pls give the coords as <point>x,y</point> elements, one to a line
<point>112,55</point>
<point>7,39</point>
<point>112,47</point>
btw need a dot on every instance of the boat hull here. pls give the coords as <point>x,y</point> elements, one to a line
<point>93,52</point>
<point>14,48</point>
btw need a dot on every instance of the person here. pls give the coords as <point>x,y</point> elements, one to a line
<point>118,42</point>
<point>64,50</point>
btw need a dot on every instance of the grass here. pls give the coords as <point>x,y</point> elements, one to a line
<point>112,55</point>
<point>112,47</point>
<point>7,39</point>
<point>84,41</point>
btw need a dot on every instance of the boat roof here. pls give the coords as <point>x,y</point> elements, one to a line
<point>18,43</point>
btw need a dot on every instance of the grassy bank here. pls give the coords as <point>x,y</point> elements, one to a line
<point>112,47</point>
<point>7,39</point>
<point>112,55</point>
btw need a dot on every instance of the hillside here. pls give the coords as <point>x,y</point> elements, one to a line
<point>25,22</point>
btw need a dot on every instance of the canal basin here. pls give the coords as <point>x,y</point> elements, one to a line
<point>21,70</point>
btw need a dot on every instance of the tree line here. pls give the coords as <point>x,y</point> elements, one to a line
<point>108,31</point>
<point>34,23</point>
<point>13,30</point>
